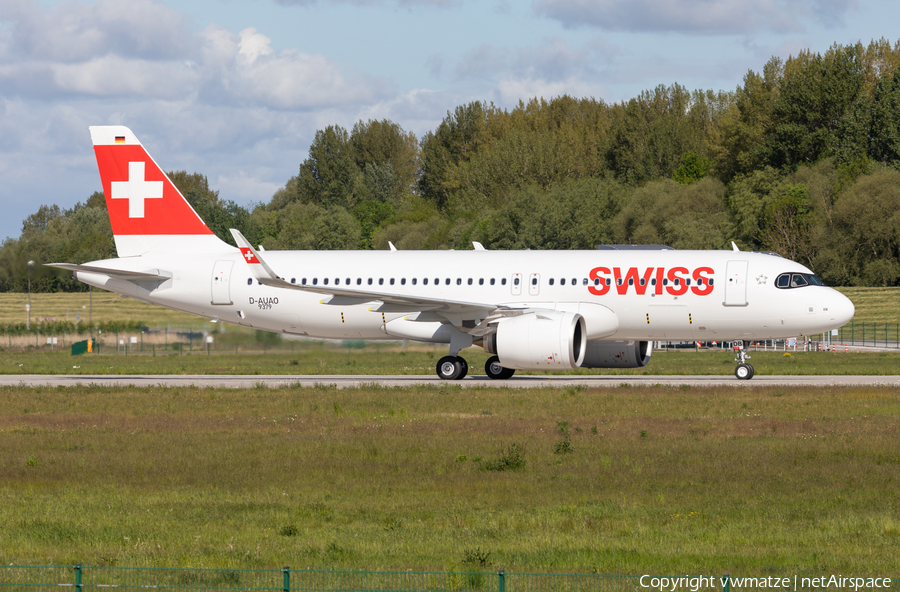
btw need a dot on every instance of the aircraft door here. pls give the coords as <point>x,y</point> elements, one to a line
<point>736,283</point>
<point>221,282</point>
<point>516,284</point>
<point>534,284</point>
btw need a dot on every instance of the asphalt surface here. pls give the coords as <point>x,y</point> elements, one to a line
<point>342,381</point>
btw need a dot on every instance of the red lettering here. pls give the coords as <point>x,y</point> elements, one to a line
<point>702,273</point>
<point>674,274</point>
<point>677,280</point>
<point>595,275</point>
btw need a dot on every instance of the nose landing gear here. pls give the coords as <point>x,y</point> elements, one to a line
<point>743,371</point>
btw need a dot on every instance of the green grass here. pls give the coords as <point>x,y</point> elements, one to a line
<point>312,358</point>
<point>763,481</point>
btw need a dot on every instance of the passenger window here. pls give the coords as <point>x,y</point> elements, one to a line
<point>551,281</point>
<point>458,281</point>
<point>480,281</point>
<point>348,281</point>
<point>515,282</point>
<point>619,282</point>
<point>315,281</point>
<point>447,282</point>
<point>414,281</point>
<point>574,281</point>
<point>643,281</point>
<point>503,282</point>
<point>597,282</point>
<point>492,281</point>
<point>425,281</point>
<point>470,281</point>
<point>630,281</point>
<point>584,281</point>
<point>358,281</point>
<point>370,281</point>
<point>380,281</point>
<point>392,281</point>
<point>665,282</point>
<point>533,281</point>
<point>303,281</point>
<point>325,281</point>
<point>250,281</point>
<point>293,280</point>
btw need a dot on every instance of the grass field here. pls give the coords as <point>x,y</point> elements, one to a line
<point>312,358</point>
<point>698,480</point>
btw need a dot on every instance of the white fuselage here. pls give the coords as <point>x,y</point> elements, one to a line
<point>730,294</point>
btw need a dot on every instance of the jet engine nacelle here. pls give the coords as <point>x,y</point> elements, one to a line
<point>617,354</point>
<point>539,341</point>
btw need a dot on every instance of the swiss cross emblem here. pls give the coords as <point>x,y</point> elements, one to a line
<point>136,189</point>
<point>249,256</point>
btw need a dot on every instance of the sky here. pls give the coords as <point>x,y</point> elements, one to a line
<point>236,90</point>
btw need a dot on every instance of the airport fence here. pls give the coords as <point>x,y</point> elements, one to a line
<point>82,578</point>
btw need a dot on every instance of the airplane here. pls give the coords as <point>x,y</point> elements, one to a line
<point>531,310</point>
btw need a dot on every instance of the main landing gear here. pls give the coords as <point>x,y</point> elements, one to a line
<point>494,370</point>
<point>452,368</point>
<point>456,368</point>
<point>744,371</point>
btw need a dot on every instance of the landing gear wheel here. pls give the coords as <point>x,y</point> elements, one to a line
<point>744,371</point>
<point>448,368</point>
<point>463,367</point>
<point>494,370</point>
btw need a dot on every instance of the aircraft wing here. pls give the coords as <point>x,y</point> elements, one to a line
<point>152,275</point>
<point>452,310</point>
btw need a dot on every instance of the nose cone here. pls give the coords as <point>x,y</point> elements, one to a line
<point>840,309</point>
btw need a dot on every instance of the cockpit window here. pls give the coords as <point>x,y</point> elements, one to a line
<point>797,280</point>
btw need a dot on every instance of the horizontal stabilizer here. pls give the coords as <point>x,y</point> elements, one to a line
<point>150,275</point>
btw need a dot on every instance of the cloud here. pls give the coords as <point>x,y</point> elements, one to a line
<point>143,49</point>
<point>550,68</point>
<point>397,3</point>
<point>79,30</point>
<point>708,17</point>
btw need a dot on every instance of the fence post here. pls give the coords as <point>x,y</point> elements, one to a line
<point>78,587</point>
<point>501,581</point>
<point>286,584</point>
<point>726,586</point>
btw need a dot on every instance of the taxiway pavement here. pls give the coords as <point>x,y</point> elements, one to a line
<point>476,381</point>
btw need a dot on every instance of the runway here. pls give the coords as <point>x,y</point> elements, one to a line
<point>345,381</point>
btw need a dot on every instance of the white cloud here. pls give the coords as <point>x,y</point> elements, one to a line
<point>79,30</point>
<point>709,17</point>
<point>243,187</point>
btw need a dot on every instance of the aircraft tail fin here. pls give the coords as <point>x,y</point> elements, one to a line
<point>147,212</point>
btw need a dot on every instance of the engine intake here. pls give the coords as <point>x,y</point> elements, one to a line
<point>539,341</point>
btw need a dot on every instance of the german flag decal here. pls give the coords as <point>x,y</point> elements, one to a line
<point>120,139</point>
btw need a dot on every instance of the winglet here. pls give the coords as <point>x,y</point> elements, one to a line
<point>260,270</point>
<point>734,247</point>
<point>391,245</point>
<point>478,246</point>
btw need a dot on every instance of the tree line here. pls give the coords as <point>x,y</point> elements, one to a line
<point>802,159</point>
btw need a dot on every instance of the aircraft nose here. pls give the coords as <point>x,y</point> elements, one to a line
<point>840,308</point>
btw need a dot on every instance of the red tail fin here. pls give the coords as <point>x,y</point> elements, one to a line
<point>146,210</point>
